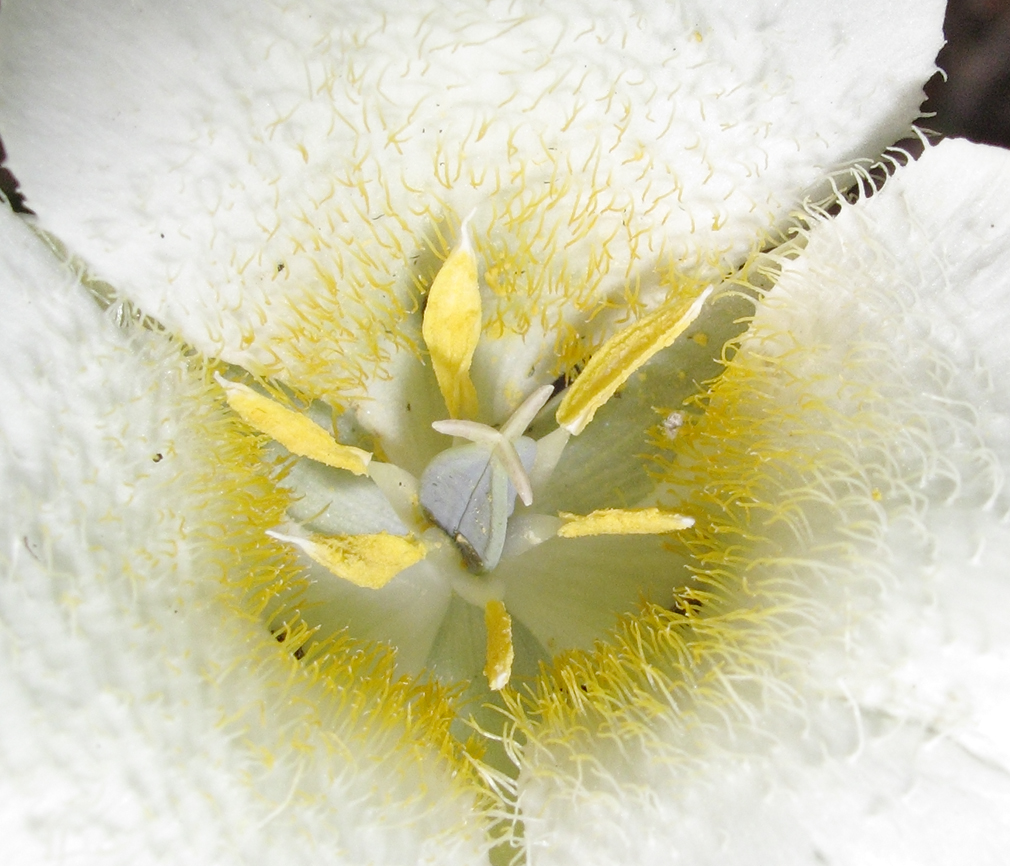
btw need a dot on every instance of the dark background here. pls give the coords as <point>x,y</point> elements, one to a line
<point>973,101</point>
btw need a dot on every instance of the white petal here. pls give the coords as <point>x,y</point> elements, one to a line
<point>188,155</point>
<point>856,457</point>
<point>142,722</point>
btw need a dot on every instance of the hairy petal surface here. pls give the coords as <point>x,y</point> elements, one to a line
<point>277,181</point>
<point>148,716</point>
<point>833,688</point>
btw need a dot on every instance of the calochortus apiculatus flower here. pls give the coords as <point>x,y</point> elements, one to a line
<point>469,430</point>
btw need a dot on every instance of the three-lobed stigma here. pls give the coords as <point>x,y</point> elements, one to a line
<point>470,490</point>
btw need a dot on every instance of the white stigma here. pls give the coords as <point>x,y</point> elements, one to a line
<point>503,440</point>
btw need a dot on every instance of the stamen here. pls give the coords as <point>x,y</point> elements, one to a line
<point>369,561</point>
<point>623,521</point>
<point>615,361</point>
<point>451,327</point>
<point>500,652</point>
<point>297,433</point>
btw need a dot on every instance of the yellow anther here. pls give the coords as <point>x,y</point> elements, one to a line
<point>451,328</point>
<point>291,429</point>
<point>623,521</point>
<point>614,362</point>
<point>370,561</point>
<point>500,653</point>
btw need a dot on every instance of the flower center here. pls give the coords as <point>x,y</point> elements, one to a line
<point>405,551</point>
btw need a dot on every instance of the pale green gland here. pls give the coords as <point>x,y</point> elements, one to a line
<point>822,650</point>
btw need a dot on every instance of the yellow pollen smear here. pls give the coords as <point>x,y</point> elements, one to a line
<point>500,653</point>
<point>614,362</point>
<point>294,431</point>
<point>370,561</point>
<point>623,521</point>
<point>451,328</point>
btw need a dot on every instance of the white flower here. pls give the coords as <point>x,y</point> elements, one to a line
<point>278,186</point>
